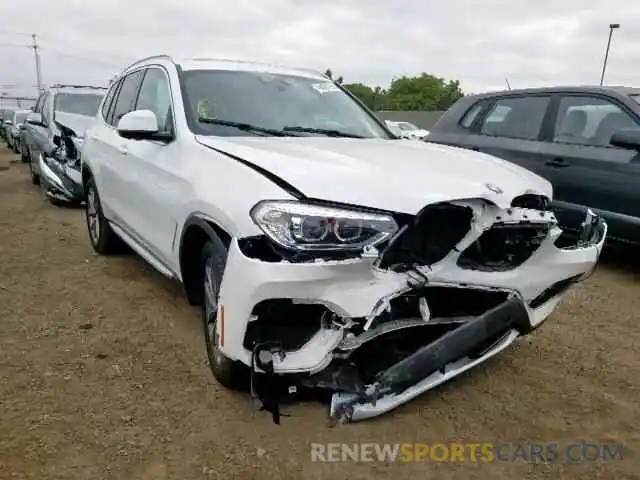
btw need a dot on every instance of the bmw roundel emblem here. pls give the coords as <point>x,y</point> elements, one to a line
<point>494,188</point>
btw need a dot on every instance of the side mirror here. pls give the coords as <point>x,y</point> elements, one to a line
<point>35,118</point>
<point>138,125</point>
<point>628,138</point>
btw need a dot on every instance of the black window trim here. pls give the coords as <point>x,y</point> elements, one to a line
<point>112,105</point>
<point>38,106</point>
<point>484,103</point>
<point>108,100</point>
<point>477,124</point>
<point>114,102</point>
<point>168,78</point>
<point>44,115</point>
<point>602,96</point>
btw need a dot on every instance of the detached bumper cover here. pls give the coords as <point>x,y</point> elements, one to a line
<point>456,351</point>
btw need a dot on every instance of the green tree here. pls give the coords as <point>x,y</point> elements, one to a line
<point>423,92</point>
<point>365,93</point>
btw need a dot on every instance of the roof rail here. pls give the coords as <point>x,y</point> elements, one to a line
<point>162,56</point>
<point>254,62</point>
<point>63,85</point>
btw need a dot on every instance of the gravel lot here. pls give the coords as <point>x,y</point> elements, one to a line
<point>103,375</point>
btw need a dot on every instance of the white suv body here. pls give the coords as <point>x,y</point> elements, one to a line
<point>326,245</point>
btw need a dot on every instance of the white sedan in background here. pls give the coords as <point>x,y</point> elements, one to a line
<point>406,130</point>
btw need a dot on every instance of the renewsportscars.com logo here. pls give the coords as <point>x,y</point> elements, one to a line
<point>466,452</point>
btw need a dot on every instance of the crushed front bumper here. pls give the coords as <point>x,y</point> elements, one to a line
<point>448,356</point>
<point>355,290</point>
<point>60,181</point>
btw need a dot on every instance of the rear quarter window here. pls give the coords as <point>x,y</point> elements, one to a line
<point>471,114</point>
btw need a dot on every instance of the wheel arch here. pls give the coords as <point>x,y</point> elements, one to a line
<point>196,231</point>
<point>86,175</point>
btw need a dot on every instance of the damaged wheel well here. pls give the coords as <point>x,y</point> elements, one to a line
<point>196,232</point>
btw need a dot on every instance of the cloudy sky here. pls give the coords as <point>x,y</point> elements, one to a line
<point>532,42</point>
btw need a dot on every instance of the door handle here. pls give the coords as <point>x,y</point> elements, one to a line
<point>557,163</point>
<point>123,150</point>
<point>475,149</point>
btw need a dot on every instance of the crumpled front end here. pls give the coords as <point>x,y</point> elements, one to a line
<point>456,285</point>
<point>60,173</point>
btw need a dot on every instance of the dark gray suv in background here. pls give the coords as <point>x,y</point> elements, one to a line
<point>584,140</point>
<point>53,138</point>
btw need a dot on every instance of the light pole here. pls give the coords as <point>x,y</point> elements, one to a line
<point>612,26</point>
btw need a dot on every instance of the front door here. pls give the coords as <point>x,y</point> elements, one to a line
<point>585,169</point>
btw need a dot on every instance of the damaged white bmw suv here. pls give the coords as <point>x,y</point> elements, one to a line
<point>326,253</point>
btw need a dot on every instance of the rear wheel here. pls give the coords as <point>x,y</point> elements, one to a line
<point>229,373</point>
<point>103,239</point>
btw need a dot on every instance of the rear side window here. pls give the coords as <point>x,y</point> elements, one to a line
<point>44,111</point>
<point>112,105</point>
<point>108,98</point>
<point>38,107</point>
<point>471,115</point>
<point>127,95</point>
<point>516,117</point>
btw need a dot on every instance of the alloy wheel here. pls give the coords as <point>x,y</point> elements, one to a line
<point>93,218</point>
<point>211,310</point>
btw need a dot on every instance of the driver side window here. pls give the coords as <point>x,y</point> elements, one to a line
<point>155,95</point>
<point>589,121</point>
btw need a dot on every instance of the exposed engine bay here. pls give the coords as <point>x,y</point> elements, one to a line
<point>454,286</point>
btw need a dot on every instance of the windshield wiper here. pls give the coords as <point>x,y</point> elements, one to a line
<point>323,131</point>
<point>247,127</point>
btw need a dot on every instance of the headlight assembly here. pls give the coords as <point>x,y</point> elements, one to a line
<point>301,226</point>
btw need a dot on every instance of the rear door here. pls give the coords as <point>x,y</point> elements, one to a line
<point>506,126</point>
<point>585,169</point>
<point>511,129</point>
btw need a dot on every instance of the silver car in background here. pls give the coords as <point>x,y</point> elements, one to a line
<point>14,129</point>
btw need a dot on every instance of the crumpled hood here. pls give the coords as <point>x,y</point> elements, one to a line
<point>396,175</point>
<point>77,123</point>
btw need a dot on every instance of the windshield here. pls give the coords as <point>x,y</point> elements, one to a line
<point>407,127</point>
<point>19,117</point>
<point>78,103</point>
<point>272,102</point>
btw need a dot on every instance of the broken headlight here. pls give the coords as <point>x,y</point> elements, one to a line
<point>302,226</point>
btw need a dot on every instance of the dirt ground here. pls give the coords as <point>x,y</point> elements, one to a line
<point>103,375</point>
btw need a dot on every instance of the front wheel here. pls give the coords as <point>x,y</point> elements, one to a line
<point>24,153</point>
<point>35,178</point>
<point>231,374</point>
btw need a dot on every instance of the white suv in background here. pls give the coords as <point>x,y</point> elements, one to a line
<point>325,253</point>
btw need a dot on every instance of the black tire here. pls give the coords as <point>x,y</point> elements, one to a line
<point>103,239</point>
<point>229,373</point>
<point>24,154</point>
<point>35,178</point>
